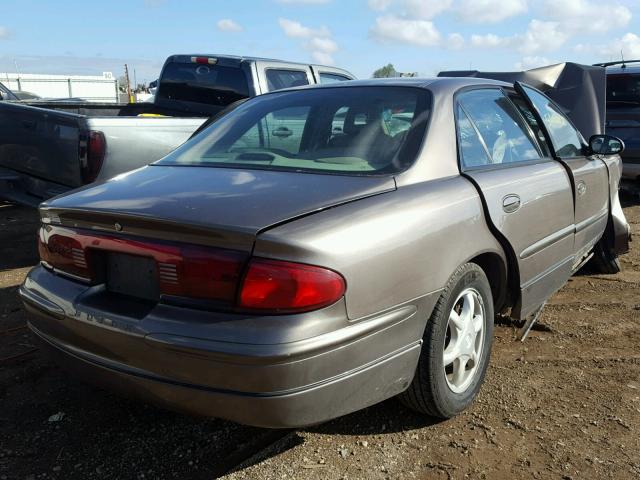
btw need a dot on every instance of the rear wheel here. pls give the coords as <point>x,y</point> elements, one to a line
<point>456,348</point>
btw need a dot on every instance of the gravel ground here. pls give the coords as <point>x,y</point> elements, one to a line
<point>564,404</point>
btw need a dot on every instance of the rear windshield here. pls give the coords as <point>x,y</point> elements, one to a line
<point>211,84</point>
<point>623,90</point>
<point>355,130</point>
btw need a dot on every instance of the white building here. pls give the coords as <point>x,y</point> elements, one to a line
<point>91,88</point>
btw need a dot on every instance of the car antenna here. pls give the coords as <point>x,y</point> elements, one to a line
<point>624,65</point>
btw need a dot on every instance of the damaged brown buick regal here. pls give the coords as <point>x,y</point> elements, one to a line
<point>317,250</point>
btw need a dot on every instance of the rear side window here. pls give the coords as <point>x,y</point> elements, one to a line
<point>211,84</point>
<point>501,126</point>
<point>356,130</point>
<point>326,78</point>
<point>566,140</point>
<point>279,79</point>
<point>623,90</point>
<point>472,151</point>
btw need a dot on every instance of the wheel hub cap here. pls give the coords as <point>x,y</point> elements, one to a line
<point>464,340</point>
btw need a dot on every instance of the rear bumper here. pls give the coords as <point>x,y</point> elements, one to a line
<point>274,384</point>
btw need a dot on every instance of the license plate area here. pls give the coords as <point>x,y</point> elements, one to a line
<point>132,275</point>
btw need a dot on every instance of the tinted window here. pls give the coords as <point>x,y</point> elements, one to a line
<point>278,79</point>
<point>566,139</point>
<point>331,78</point>
<point>501,126</point>
<point>212,84</point>
<point>362,130</point>
<point>623,90</point>
<point>472,152</point>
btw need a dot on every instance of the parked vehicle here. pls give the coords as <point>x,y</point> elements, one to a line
<point>319,250</point>
<point>623,111</point>
<point>48,148</point>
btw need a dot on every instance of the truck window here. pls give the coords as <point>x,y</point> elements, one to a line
<point>278,79</point>
<point>623,90</point>
<point>211,84</point>
<point>326,78</point>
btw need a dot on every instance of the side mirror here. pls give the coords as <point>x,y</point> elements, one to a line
<point>605,145</point>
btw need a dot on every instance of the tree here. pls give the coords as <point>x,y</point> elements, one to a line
<point>387,71</point>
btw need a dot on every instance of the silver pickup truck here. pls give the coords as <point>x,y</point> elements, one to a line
<point>50,147</point>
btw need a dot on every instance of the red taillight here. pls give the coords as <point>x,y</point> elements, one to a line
<point>201,272</point>
<point>197,272</point>
<point>66,254</point>
<point>279,286</point>
<point>96,148</point>
<point>204,60</point>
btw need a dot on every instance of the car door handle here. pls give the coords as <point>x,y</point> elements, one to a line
<point>511,203</point>
<point>29,124</point>
<point>282,132</point>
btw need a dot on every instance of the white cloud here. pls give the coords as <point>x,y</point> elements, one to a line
<point>628,45</point>
<point>541,37</point>
<point>489,40</point>
<point>295,29</point>
<point>455,41</point>
<point>529,62</point>
<point>490,11</point>
<point>397,29</point>
<point>4,33</point>
<point>580,16</point>
<point>317,40</point>
<point>425,9</point>
<point>228,25</point>
<point>303,2</point>
<point>379,5</point>
<point>411,9</point>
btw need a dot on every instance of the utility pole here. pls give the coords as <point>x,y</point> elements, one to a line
<point>126,75</point>
<point>135,80</point>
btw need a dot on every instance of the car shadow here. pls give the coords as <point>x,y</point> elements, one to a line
<point>629,193</point>
<point>18,228</point>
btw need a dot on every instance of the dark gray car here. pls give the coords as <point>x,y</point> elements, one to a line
<point>319,250</point>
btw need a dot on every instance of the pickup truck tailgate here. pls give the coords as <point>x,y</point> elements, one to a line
<point>40,142</point>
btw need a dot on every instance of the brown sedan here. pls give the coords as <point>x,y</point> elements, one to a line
<point>318,250</point>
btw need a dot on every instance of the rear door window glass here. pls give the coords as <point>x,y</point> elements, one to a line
<point>279,79</point>
<point>326,78</point>
<point>567,142</point>
<point>501,126</point>
<point>472,151</point>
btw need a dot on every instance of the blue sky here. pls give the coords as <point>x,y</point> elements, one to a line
<point>426,36</point>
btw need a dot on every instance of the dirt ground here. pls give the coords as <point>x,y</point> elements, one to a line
<point>564,404</point>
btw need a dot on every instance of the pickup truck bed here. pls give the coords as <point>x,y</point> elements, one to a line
<point>47,151</point>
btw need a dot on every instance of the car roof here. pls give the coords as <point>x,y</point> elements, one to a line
<point>439,84</point>
<point>620,70</point>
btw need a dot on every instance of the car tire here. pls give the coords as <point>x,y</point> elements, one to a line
<point>604,259</point>
<point>437,389</point>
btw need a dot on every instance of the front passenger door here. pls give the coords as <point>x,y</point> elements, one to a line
<point>526,193</point>
<point>590,176</point>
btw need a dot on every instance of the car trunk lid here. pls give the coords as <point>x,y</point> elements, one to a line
<point>221,207</point>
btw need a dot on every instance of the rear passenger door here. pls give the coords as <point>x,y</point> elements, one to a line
<point>590,176</point>
<point>527,193</point>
